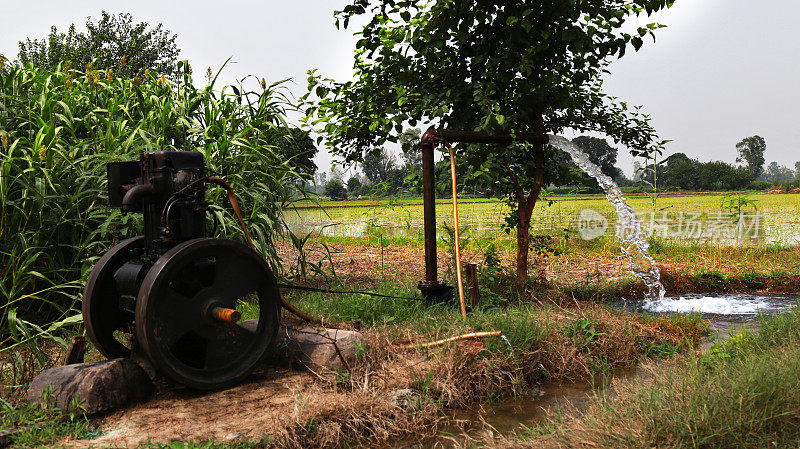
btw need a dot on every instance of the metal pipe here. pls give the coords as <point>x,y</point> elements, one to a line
<point>226,315</point>
<point>429,213</point>
<point>132,201</point>
<point>433,135</point>
<point>427,142</point>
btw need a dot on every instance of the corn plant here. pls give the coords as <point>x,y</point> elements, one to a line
<point>304,265</point>
<point>58,129</point>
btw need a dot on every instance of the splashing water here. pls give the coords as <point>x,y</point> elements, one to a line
<point>720,304</point>
<point>629,230</point>
<point>510,348</point>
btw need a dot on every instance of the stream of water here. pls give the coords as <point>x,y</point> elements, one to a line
<point>629,230</point>
<point>635,247</point>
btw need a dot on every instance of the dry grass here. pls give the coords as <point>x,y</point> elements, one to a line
<point>356,407</point>
<point>462,373</point>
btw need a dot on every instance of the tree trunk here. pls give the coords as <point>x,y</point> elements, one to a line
<point>525,206</point>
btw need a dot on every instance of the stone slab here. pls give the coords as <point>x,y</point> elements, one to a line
<point>100,386</point>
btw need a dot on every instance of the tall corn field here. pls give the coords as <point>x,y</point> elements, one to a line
<point>59,128</point>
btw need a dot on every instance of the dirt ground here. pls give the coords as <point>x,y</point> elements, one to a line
<point>370,265</point>
<point>401,263</point>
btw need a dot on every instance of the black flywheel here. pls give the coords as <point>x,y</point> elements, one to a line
<point>103,314</point>
<point>189,303</point>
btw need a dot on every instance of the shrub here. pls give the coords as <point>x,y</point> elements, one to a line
<point>759,185</point>
<point>335,190</point>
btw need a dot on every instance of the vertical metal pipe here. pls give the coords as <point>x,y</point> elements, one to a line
<point>429,211</point>
<point>431,287</point>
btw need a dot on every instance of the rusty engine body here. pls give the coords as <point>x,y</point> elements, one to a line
<point>176,290</point>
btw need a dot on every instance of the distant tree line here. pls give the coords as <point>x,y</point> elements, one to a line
<point>679,172</point>
<point>384,175</point>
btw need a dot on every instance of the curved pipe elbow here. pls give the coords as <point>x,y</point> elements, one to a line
<point>132,201</point>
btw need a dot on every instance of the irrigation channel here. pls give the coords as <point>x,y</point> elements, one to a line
<point>727,315</point>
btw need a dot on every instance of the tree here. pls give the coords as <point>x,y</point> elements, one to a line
<point>681,172</point>
<point>114,42</point>
<point>751,152</point>
<point>778,174</point>
<point>517,66</point>
<point>354,186</point>
<point>378,166</point>
<point>412,155</point>
<point>601,153</point>
<point>335,190</point>
<point>299,149</point>
<point>797,169</point>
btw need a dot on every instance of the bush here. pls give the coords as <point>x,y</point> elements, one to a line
<point>58,129</point>
<point>759,185</point>
<point>335,190</point>
<point>792,185</point>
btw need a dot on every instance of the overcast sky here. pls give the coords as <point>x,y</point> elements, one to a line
<point>722,69</point>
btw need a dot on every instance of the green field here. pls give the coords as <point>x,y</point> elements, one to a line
<point>779,216</point>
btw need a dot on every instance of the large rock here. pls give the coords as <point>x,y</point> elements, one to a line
<point>101,386</point>
<point>318,349</point>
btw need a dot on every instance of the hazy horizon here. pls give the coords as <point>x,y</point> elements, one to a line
<point>720,71</point>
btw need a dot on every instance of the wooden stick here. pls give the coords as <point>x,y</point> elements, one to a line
<point>471,270</point>
<point>75,352</point>
<point>456,338</point>
<point>457,239</point>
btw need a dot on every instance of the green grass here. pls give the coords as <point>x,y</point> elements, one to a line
<point>486,217</point>
<point>369,310</point>
<point>42,425</point>
<point>521,324</point>
<point>743,393</point>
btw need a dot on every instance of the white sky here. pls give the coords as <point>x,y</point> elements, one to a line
<point>722,69</point>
